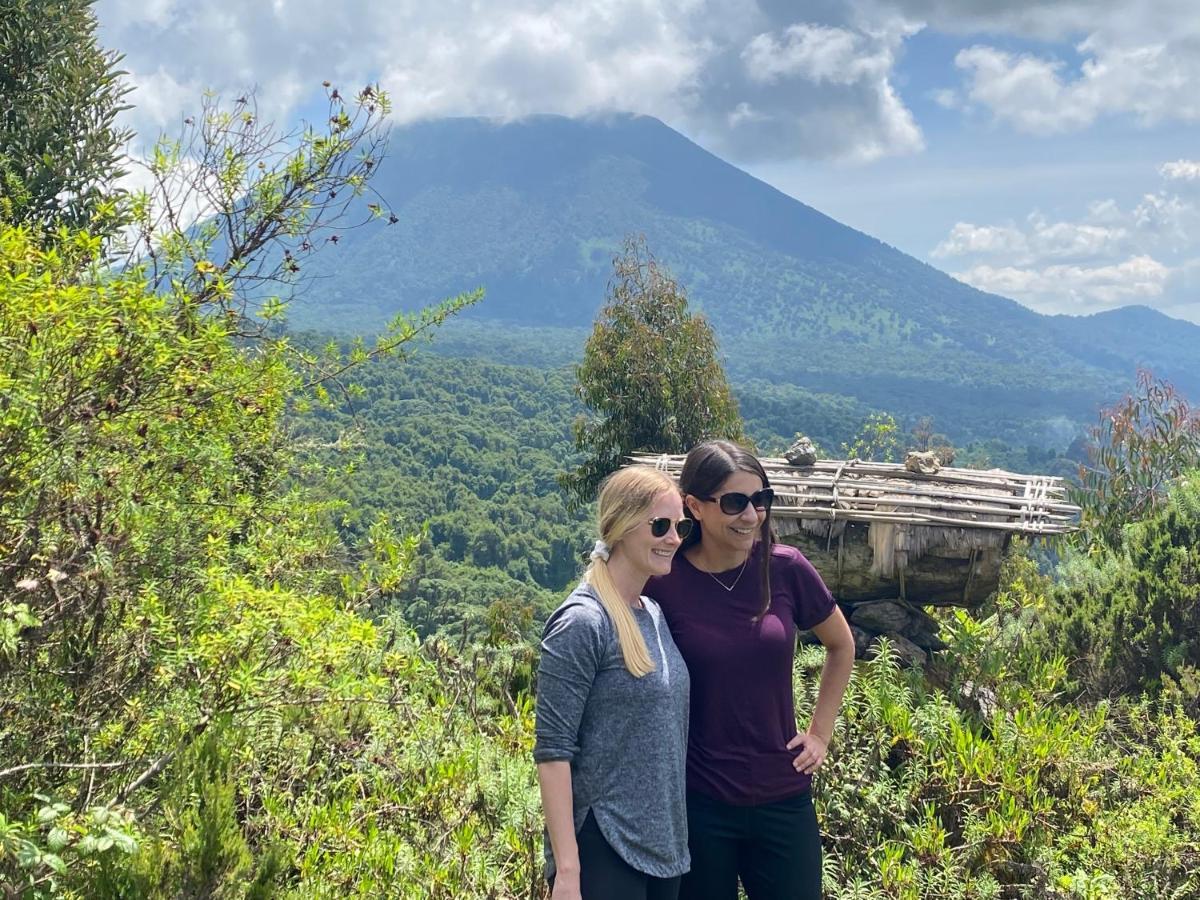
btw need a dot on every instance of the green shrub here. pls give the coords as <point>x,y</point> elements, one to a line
<point>1127,616</point>
<point>191,698</point>
<point>983,785</point>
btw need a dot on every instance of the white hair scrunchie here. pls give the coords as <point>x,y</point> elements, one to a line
<point>600,551</point>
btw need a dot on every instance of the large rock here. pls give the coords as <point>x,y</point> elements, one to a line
<point>942,576</point>
<point>923,629</point>
<point>863,640</point>
<point>881,616</point>
<point>910,655</point>
<point>911,629</point>
<point>802,452</point>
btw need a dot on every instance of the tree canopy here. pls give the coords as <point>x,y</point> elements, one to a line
<point>61,149</point>
<point>650,376</point>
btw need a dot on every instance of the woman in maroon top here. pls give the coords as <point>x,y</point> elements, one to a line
<point>734,600</point>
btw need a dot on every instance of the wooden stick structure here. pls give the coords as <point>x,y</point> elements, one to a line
<point>854,490</point>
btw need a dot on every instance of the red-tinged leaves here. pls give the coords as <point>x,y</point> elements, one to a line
<point>1138,448</point>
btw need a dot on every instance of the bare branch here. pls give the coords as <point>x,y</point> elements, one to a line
<point>26,767</point>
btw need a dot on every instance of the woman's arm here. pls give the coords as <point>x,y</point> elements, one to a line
<point>835,634</point>
<point>554,779</point>
<point>570,659</point>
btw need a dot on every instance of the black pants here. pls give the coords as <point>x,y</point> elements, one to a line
<point>603,875</point>
<point>774,848</point>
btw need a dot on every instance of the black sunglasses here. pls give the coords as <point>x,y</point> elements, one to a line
<point>734,502</point>
<point>660,526</point>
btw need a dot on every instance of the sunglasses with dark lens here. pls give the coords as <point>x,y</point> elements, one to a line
<point>734,502</point>
<point>660,526</point>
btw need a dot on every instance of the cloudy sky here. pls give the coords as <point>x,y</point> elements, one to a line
<point>1049,152</point>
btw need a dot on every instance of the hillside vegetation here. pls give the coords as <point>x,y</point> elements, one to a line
<point>267,603</point>
<point>467,453</point>
<point>198,695</point>
<point>535,211</point>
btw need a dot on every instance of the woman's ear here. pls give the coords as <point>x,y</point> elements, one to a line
<point>691,505</point>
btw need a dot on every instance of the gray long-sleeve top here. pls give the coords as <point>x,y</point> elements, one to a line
<point>625,737</point>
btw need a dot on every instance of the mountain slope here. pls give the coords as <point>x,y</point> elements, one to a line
<point>534,210</point>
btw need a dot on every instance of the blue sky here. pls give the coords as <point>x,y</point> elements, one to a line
<point>1044,151</point>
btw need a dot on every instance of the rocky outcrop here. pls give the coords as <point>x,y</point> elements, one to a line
<point>912,632</point>
<point>928,565</point>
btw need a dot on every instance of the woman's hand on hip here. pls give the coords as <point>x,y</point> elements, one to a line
<point>812,751</point>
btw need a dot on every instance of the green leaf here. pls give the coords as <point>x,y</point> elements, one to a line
<point>57,839</point>
<point>123,841</point>
<point>28,855</point>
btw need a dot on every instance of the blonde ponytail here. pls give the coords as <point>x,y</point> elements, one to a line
<point>629,635</point>
<point>625,498</point>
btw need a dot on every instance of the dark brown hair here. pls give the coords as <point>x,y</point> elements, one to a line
<point>704,471</point>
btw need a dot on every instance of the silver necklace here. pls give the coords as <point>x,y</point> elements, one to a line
<point>729,587</point>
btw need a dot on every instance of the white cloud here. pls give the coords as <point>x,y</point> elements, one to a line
<point>1139,61</point>
<point>1042,240</point>
<point>1025,91</point>
<point>161,101</point>
<point>828,88</point>
<point>1181,170</point>
<point>1074,288</point>
<point>992,240</point>
<point>1109,257</point>
<point>567,58</point>
<point>1144,22</point>
<point>1104,212</point>
<point>1166,217</point>
<point>1074,240</point>
<point>751,78</point>
<point>816,53</point>
<point>946,98</point>
<point>744,112</point>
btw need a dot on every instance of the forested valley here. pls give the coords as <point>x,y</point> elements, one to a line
<point>269,602</point>
<point>466,453</point>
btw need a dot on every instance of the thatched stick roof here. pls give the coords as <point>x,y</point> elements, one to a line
<point>857,491</point>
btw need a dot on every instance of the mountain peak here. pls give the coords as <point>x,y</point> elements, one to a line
<point>534,209</point>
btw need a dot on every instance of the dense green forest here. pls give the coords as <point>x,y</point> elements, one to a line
<point>236,564</point>
<point>466,453</point>
<point>1001,425</point>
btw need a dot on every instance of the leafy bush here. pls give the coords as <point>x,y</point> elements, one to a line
<point>189,694</point>
<point>1129,615</point>
<point>980,782</point>
<point>1138,448</point>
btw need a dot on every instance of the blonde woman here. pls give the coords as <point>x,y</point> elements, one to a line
<point>612,709</point>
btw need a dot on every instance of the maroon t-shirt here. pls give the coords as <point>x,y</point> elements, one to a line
<point>742,710</point>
